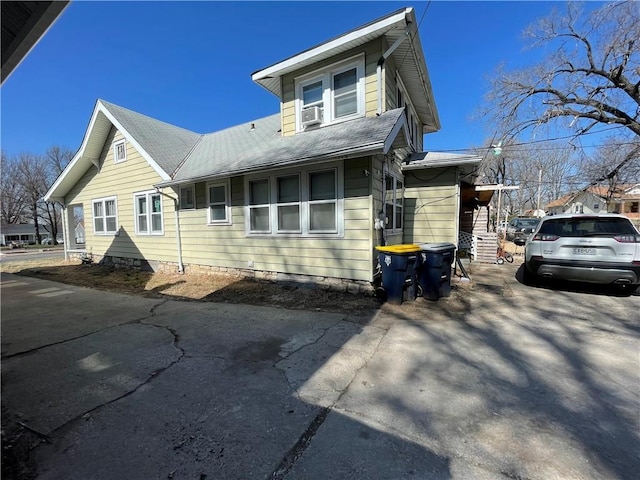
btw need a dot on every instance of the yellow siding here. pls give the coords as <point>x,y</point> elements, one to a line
<point>431,206</point>
<point>372,51</point>
<point>121,180</point>
<point>229,246</point>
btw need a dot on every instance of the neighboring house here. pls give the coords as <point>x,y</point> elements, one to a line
<point>20,233</point>
<point>306,194</point>
<point>589,201</point>
<point>624,199</point>
<point>79,233</point>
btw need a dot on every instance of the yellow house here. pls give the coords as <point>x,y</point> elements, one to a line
<point>306,194</point>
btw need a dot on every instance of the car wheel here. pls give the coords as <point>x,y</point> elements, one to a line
<point>528,278</point>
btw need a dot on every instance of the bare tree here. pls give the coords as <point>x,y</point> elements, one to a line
<point>592,79</point>
<point>12,199</point>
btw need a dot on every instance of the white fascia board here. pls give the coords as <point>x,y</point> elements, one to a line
<point>401,123</point>
<point>292,62</point>
<point>77,157</point>
<point>164,175</point>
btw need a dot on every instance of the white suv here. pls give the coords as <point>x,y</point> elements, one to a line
<point>600,248</point>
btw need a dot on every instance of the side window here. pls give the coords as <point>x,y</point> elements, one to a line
<point>393,202</point>
<point>149,220</point>
<point>105,216</point>
<point>219,204</point>
<point>187,197</point>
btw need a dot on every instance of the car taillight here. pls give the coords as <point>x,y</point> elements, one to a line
<point>627,238</point>
<point>545,237</point>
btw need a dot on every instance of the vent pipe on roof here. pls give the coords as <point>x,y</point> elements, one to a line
<point>407,32</point>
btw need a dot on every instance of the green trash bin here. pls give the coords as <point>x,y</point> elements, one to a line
<point>398,271</point>
<point>434,269</point>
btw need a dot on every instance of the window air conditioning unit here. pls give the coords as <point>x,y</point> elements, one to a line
<point>311,116</point>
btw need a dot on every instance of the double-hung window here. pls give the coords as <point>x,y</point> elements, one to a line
<point>323,202</point>
<point>148,208</point>
<point>259,206</point>
<point>337,92</point>
<point>300,203</point>
<point>288,203</point>
<point>219,205</point>
<point>393,202</point>
<point>105,216</point>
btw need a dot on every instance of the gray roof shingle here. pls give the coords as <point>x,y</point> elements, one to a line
<point>241,149</point>
<point>167,144</point>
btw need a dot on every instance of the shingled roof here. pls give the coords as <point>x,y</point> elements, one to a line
<point>259,145</point>
<point>167,144</point>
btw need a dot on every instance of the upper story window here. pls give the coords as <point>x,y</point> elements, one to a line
<point>148,207</point>
<point>119,151</point>
<point>331,95</point>
<point>409,112</point>
<point>105,216</point>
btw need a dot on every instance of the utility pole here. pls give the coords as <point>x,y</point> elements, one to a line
<point>539,183</point>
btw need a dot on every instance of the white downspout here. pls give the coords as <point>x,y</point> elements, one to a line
<point>408,31</point>
<point>178,237</point>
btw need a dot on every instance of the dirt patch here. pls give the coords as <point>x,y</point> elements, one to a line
<point>208,288</point>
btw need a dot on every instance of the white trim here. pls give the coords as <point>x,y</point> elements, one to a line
<point>189,186</point>
<point>227,202</point>
<point>304,173</point>
<point>133,142</point>
<point>396,177</point>
<point>103,201</point>
<point>281,67</point>
<point>326,76</point>
<point>149,194</point>
<point>116,144</point>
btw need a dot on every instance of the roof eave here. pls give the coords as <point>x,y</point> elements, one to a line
<point>328,49</point>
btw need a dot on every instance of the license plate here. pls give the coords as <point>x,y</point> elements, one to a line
<point>584,251</point>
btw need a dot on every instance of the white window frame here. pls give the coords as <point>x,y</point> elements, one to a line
<point>227,203</point>
<point>305,220</point>
<point>192,189</point>
<point>122,142</point>
<point>326,75</point>
<point>104,217</point>
<point>410,112</point>
<point>149,214</point>
<point>397,201</point>
<point>279,204</point>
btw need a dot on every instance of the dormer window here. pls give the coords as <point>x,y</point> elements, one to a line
<point>331,95</point>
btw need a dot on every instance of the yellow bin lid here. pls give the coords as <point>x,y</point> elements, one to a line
<point>399,249</point>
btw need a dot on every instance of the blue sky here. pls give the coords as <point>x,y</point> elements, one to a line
<point>190,63</point>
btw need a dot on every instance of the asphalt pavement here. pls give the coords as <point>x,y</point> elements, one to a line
<point>500,380</point>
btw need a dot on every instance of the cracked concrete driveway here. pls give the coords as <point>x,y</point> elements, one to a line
<point>499,381</point>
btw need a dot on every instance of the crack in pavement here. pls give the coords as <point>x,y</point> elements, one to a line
<point>293,455</point>
<point>151,376</point>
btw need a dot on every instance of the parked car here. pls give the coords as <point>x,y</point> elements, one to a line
<point>520,229</point>
<point>49,241</point>
<point>601,248</point>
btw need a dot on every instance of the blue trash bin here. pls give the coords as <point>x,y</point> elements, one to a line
<point>434,269</point>
<point>398,271</point>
